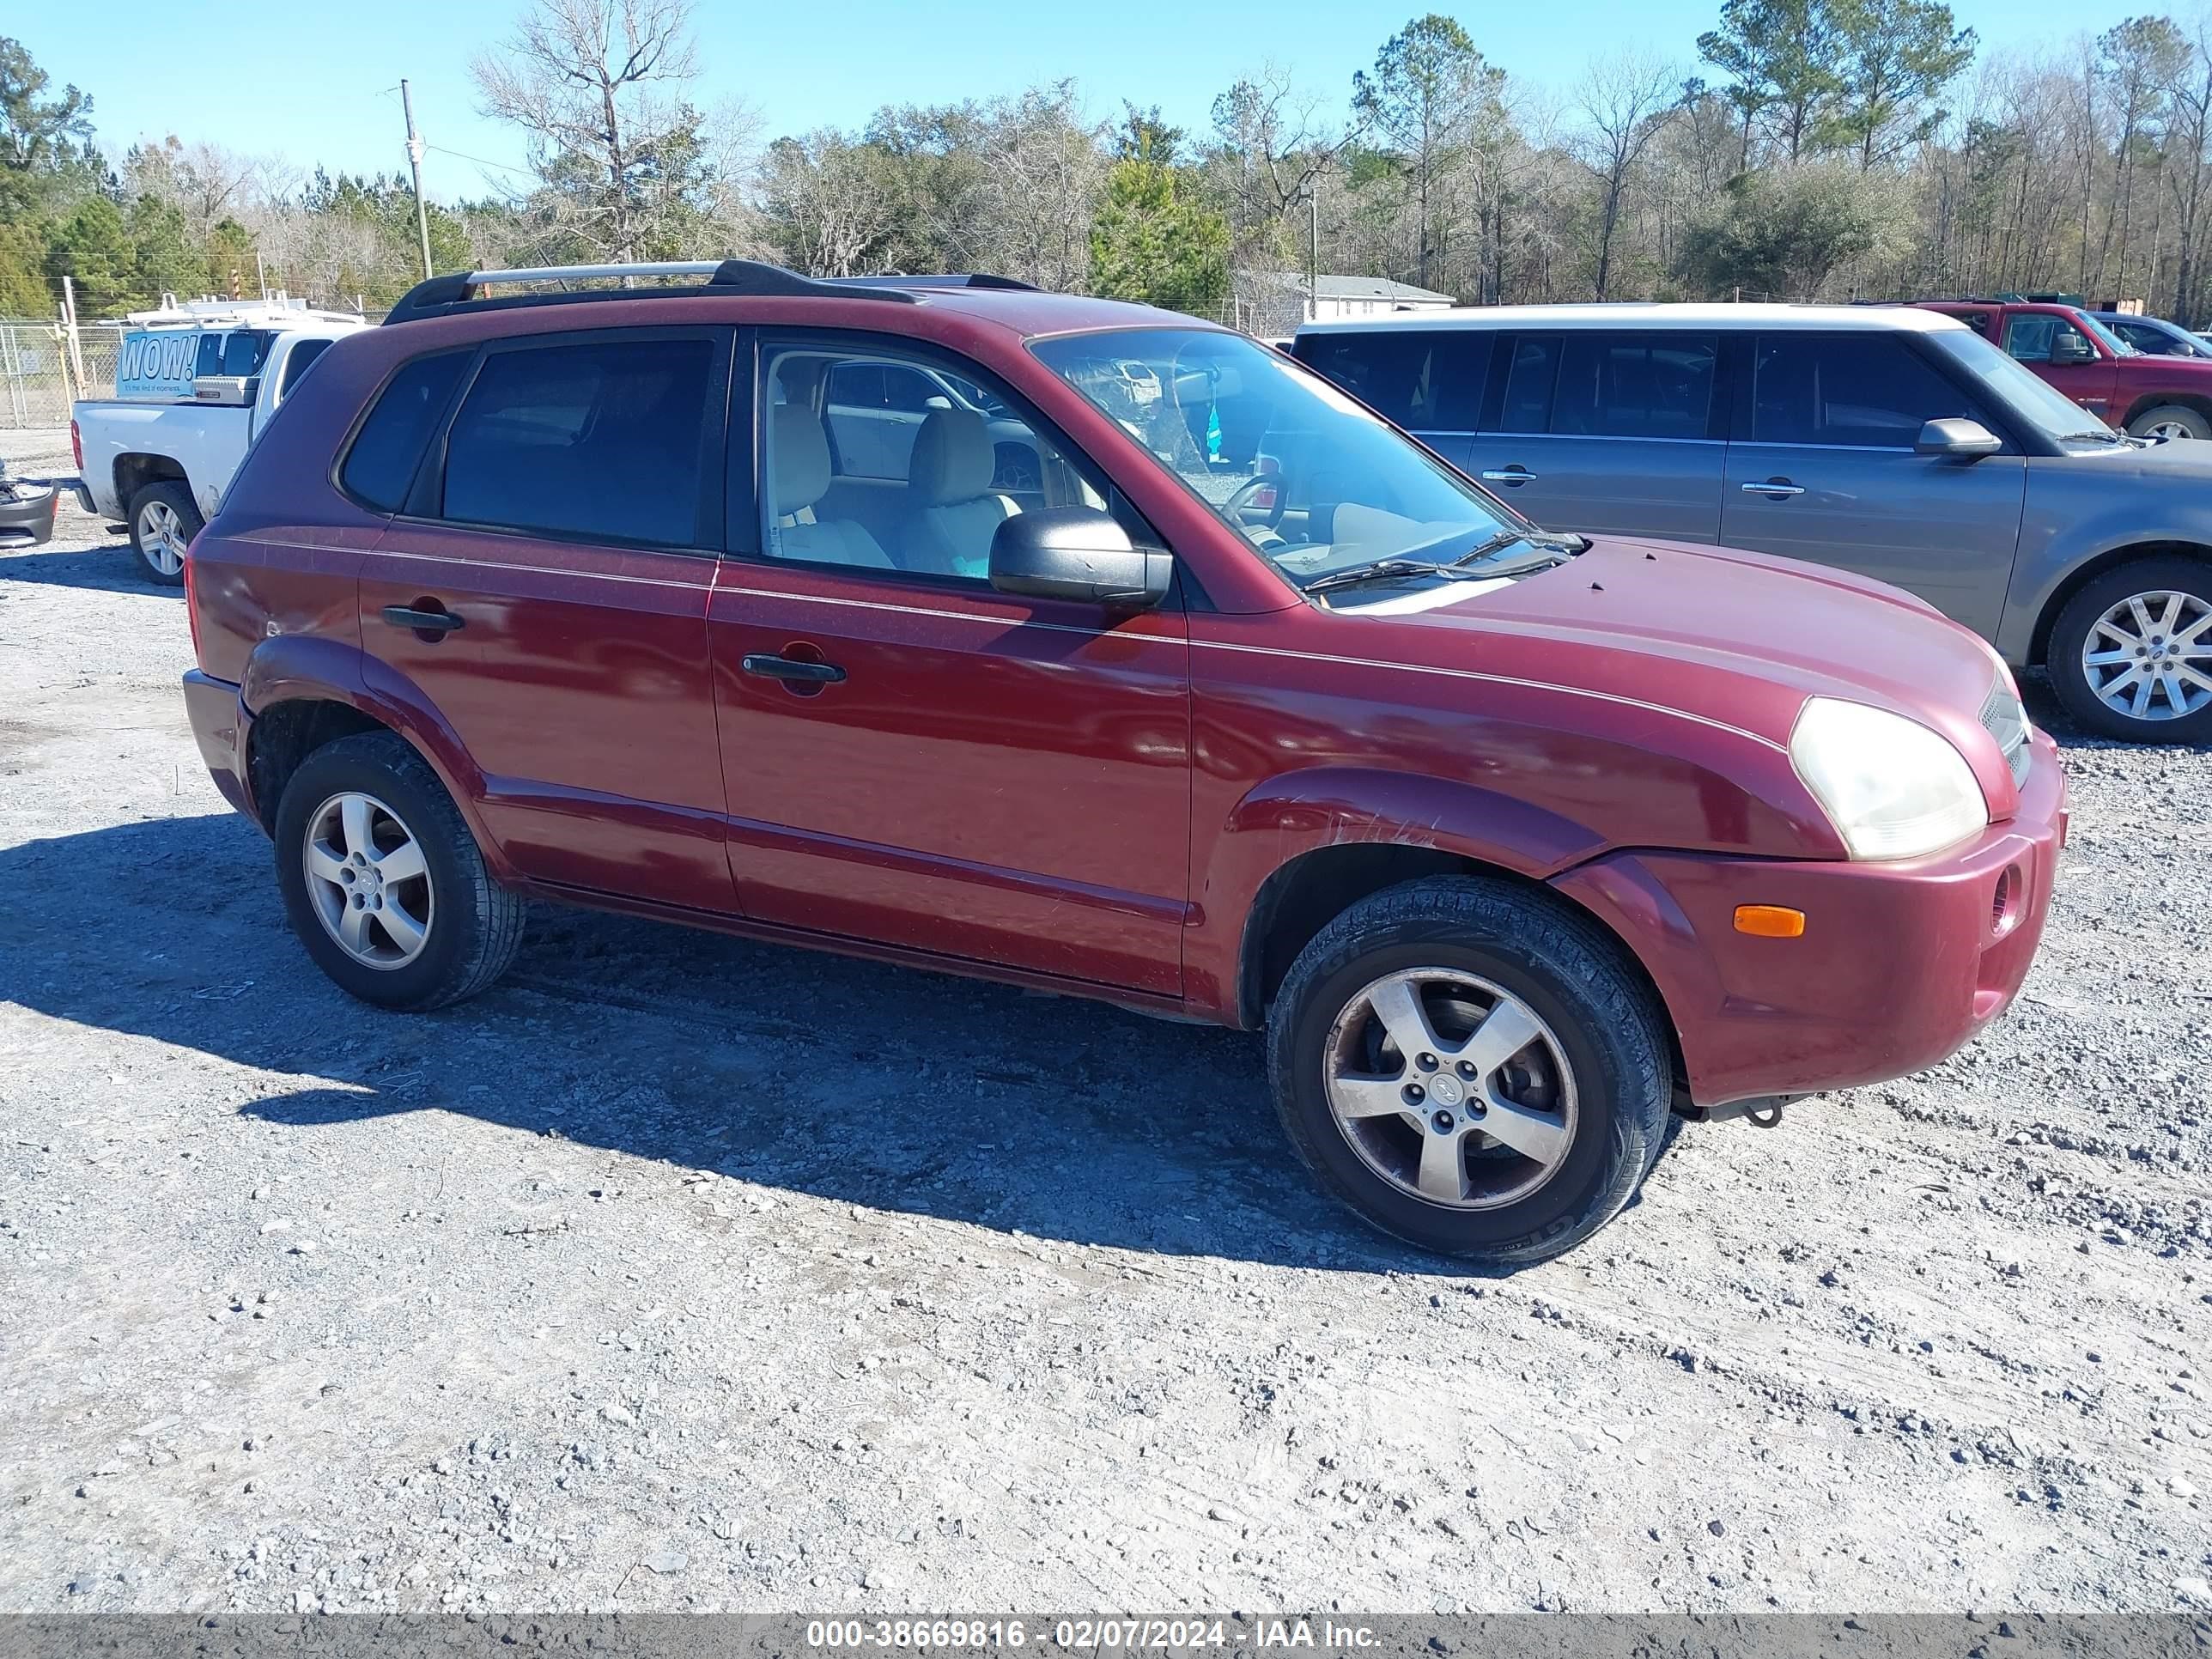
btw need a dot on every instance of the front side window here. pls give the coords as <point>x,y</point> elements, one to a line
<point>1868,390</point>
<point>924,496</point>
<point>1531,373</point>
<point>1315,482</point>
<point>2026,397</point>
<point>2035,336</point>
<point>1635,386</point>
<point>389,446</point>
<point>603,441</point>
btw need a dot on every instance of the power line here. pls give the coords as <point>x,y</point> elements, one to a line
<point>480,160</point>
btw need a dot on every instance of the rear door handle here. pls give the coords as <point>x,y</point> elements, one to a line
<point>789,668</point>
<point>1508,475</point>
<point>421,621</point>
<point>1774,487</point>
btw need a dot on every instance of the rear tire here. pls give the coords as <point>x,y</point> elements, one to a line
<point>2146,624</point>
<point>163,522</point>
<point>1523,1013</point>
<point>2171,421</point>
<point>383,882</point>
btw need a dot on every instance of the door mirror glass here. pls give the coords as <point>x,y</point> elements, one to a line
<point>2068,347</point>
<point>1957,440</point>
<point>1077,553</point>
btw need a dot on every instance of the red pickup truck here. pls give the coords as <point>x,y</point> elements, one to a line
<point>2150,395</point>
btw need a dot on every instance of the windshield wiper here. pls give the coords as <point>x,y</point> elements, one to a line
<point>2106,436</point>
<point>1380,570</point>
<point>1568,542</point>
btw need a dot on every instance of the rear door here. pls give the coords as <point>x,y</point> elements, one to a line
<point>1822,467</point>
<point>544,589</point>
<point>1609,431</point>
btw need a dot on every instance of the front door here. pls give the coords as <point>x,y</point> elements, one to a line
<point>2064,355</point>
<point>545,592</point>
<point>1822,468</point>
<point>913,758</point>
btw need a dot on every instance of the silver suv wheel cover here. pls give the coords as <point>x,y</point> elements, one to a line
<point>1450,1088</point>
<point>2149,657</point>
<point>367,880</point>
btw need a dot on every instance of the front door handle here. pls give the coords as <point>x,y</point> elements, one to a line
<point>1508,475</point>
<point>790,668</point>
<point>423,620</point>
<point>1776,487</point>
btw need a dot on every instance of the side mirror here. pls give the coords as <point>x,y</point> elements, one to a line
<point>2070,348</point>
<point>1077,553</point>
<point>1957,441</point>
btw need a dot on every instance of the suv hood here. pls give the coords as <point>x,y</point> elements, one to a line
<point>1730,638</point>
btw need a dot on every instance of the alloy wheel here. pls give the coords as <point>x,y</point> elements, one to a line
<point>161,537</point>
<point>2149,657</point>
<point>1450,1088</point>
<point>367,880</point>
<point>2167,429</point>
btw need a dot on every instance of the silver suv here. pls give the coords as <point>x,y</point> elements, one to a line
<point>1891,441</point>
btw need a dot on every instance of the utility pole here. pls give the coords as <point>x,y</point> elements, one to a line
<point>1313,259</point>
<point>415,161</point>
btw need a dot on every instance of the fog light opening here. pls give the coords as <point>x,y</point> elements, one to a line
<point>2004,902</point>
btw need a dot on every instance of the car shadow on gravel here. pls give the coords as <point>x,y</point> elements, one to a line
<point>1052,1117</point>
<point>113,567</point>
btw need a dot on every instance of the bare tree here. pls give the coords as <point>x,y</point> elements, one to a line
<point>599,86</point>
<point>833,200</point>
<point>1624,101</point>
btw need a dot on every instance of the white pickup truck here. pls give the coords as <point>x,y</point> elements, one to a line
<point>194,383</point>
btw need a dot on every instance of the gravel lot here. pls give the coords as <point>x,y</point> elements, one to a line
<point>680,1273</point>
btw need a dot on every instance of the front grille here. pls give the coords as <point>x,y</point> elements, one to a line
<point>2006,721</point>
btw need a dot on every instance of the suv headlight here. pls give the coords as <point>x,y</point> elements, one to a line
<point>1892,789</point>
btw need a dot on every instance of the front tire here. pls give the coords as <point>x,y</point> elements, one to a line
<point>163,522</point>
<point>1472,1067</point>
<point>383,882</point>
<point>2130,655</point>
<point>2171,421</point>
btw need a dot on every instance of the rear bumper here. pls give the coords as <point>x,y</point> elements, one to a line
<point>218,720</point>
<point>1899,964</point>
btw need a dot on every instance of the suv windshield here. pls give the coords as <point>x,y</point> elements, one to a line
<point>1314,481</point>
<point>2020,392</point>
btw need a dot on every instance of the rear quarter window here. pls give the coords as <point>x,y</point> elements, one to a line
<point>1425,380</point>
<point>381,463</point>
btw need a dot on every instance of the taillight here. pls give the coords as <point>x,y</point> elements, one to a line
<point>76,447</point>
<point>191,593</point>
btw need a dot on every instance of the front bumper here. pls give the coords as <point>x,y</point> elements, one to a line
<point>27,511</point>
<point>1899,964</point>
<point>218,718</point>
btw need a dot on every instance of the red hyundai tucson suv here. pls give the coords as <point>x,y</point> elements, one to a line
<point>1083,646</point>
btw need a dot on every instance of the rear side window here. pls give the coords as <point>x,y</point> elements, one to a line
<point>303,354</point>
<point>244,352</point>
<point>1868,389</point>
<point>601,441</point>
<point>384,454</point>
<point>1635,386</point>
<point>1424,381</point>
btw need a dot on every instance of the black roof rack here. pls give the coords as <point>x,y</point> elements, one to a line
<point>956,279</point>
<point>439,297</point>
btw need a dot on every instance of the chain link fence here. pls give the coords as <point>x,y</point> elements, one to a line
<point>38,381</point>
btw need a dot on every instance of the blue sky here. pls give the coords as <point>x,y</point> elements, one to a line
<point>256,77</point>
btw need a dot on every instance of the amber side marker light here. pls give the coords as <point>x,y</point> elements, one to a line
<point>1770,921</point>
